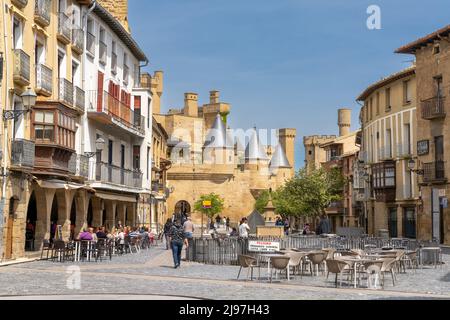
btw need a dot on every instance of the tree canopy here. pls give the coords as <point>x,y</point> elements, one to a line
<point>217,205</point>
<point>306,194</point>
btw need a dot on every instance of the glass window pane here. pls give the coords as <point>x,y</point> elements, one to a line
<point>39,132</point>
<point>49,117</point>
<point>48,133</point>
<point>39,116</point>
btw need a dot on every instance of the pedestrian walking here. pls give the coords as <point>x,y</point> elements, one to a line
<point>188,227</point>
<point>228,223</point>
<point>177,240</point>
<point>167,227</point>
<point>244,229</point>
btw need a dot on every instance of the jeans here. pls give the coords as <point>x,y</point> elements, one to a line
<point>188,235</point>
<point>177,247</point>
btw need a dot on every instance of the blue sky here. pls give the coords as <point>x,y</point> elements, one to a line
<point>285,63</point>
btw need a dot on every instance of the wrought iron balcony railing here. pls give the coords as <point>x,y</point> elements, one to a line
<point>79,165</point>
<point>433,108</point>
<point>78,39</point>
<point>22,153</point>
<point>44,80</point>
<point>116,175</point>
<point>434,171</point>
<point>64,26</point>
<point>42,12</point>
<point>80,99</point>
<point>21,71</point>
<point>65,91</point>
<point>20,3</point>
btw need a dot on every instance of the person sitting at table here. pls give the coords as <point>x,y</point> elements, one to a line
<point>134,233</point>
<point>112,234</point>
<point>101,233</point>
<point>93,235</point>
<point>85,235</point>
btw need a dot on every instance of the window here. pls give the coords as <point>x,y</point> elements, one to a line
<point>436,49</point>
<point>102,45</point>
<point>17,33</point>
<point>407,139</point>
<point>388,99</point>
<point>44,127</point>
<point>384,175</point>
<point>61,64</point>
<point>114,57</point>
<point>392,222</point>
<point>370,108</point>
<point>40,52</point>
<point>148,162</point>
<point>137,158</point>
<point>76,73</point>
<point>149,114</point>
<point>125,68</point>
<point>438,84</point>
<point>90,38</point>
<point>388,148</point>
<point>407,97</point>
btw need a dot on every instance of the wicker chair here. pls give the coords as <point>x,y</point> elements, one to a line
<point>248,262</point>
<point>412,260</point>
<point>388,267</point>
<point>337,267</point>
<point>279,264</point>
<point>296,261</point>
<point>316,259</point>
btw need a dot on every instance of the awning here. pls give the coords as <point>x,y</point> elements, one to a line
<point>60,184</point>
<point>115,196</point>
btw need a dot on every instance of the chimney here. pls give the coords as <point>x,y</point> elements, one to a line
<point>344,121</point>
<point>191,104</point>
<point>214,97</point>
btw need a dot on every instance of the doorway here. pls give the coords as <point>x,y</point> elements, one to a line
<point>30,228</point>
<point>409,223</point>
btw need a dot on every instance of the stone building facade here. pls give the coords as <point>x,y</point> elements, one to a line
<point>207,156</point>
<point>432,54</point>
<point>389,135</point>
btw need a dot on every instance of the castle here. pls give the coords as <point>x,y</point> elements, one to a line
<point>207,156</point>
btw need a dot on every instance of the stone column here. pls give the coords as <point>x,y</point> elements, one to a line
<point>400,221</point>
<point>110,207</point>
<point>97,211</point>
<point>44,201</point>
<point>82,205</point>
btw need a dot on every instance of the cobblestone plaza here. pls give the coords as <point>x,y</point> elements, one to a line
<point>150,274</point>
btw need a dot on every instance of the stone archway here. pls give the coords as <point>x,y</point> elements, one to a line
<point>30,227</point>
<point>54,218</point>
<point>90,214</point>
<point>182,207</point>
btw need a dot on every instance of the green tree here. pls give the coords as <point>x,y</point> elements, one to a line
<point>217,205</point>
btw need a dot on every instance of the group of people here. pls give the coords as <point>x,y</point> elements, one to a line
<point>286,224</point>
<point>224,222</point>
<point>117,233</point>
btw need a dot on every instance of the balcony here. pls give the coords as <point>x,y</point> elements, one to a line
<point>107,109</point>
<point>114,63</point>
<point>106,173</point>
<point>79,166</point>
<point>42,12</point>
<point>65,92</point>
<point>64,26</point>
<point>20,3</point>
<point>44,80</point>
<point>384,181</point>
<point>77,39</point>
<point>21,71</point>
<point>403,150</point>
<point>90,43</point>
<point>103,48</point>
<point>80,99</point>
<point>433,108</point>
<point>158,187</point>
<point>22,153</point>
<point>434,172</point>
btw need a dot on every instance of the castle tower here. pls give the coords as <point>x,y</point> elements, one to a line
<point>287,141</point>
<point>119,10</point>
<point>190,104</point>
<point>344,121</point>
<point>218,146</point>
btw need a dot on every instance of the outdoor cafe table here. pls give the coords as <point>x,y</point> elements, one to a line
<point>355,262</point>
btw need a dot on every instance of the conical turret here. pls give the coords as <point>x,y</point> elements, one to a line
<point>279,159</point>
<point>218,136</point>
<point>254,150</point>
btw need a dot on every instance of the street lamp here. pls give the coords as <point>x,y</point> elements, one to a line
<point>28,101</point>
<point>99,145</point>
<point>412,168</point>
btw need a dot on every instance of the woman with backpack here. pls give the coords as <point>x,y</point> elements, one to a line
<point>177,240</point>
<point>167,227</point>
